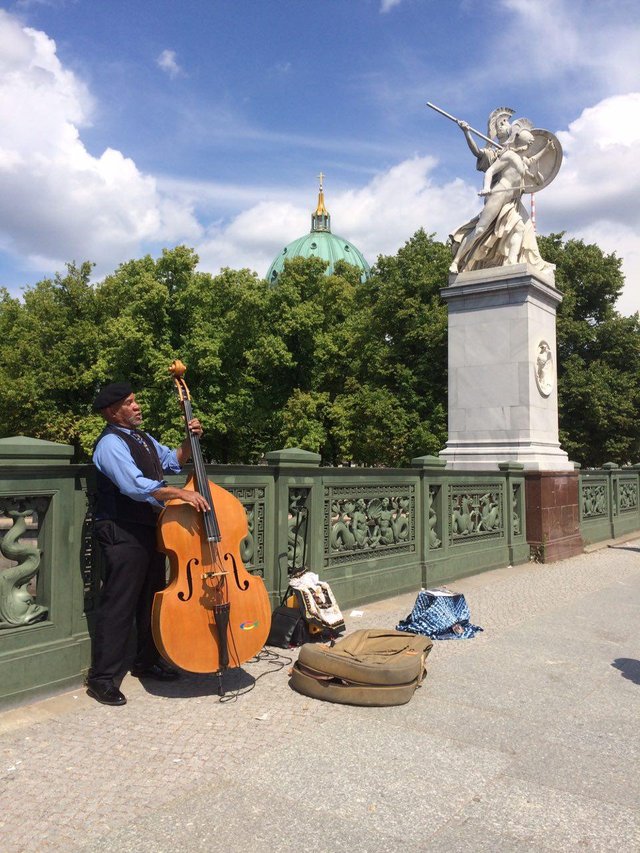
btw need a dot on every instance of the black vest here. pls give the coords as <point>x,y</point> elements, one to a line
<point>111,503</point>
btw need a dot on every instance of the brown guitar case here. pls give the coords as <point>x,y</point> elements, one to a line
<point>367,667</point>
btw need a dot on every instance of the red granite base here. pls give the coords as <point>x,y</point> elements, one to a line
<point>553,514</point>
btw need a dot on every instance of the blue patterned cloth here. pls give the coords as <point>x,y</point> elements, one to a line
<point>440,616</point>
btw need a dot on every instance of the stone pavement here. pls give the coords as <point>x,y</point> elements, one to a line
<point>525,738</point>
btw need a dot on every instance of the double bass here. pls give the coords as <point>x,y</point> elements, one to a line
<point>213,614</point>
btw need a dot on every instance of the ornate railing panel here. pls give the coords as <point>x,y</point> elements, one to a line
<point>627,495</point>
<point>476,511</point>
<point>359,520</point>
<point>371,533</point>
<point>594,499</point>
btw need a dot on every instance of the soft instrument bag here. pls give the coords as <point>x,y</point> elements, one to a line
<point>371,666</point>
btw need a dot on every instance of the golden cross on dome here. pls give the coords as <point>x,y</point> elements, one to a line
<point>320,178</point>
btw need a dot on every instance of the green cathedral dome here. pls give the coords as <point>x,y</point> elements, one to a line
<point>320,243</point>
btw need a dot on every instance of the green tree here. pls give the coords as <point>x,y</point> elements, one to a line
<point>48,358</point>
<point>398,358</point>
<point>310,315</point>
<point>156,311</point>
<point>598,356</point>
<point>355,371</point>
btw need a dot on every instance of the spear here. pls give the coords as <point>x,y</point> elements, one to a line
<point>459,122</point>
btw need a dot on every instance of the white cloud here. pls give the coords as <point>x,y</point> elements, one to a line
<point>57,201</point>
<point>593,43</point>
<point>596,197</point>
<point>167,62</point>
<point>378,218</point>
<point>386,5</point>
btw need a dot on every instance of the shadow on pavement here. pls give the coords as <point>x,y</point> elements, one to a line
<point>623,548</point>
<point>191,685</point>
<point>629,668</point>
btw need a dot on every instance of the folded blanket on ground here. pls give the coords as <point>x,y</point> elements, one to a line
<point>440,614</point>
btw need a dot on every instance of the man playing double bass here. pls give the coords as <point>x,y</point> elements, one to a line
<point>130,493</point>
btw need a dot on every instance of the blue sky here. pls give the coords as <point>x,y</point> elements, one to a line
<point>130,126</point>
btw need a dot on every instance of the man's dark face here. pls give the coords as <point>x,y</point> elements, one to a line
<point>125,413</point>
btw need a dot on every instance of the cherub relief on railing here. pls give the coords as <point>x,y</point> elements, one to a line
<point>17,602</point>
<point>594,500</point>
<point>381,511</point>
<point>359,525</point>
<point>628,496</point>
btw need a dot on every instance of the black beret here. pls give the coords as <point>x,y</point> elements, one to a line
<point>110,394</point>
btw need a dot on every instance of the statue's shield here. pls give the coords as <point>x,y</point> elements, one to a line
<point>549,164</point>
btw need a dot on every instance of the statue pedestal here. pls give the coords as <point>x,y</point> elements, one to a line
<point>553,514</point>
<point>503,404</point>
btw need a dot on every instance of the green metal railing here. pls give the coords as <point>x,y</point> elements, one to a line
<point>609,505</point>
<point>370,533</point>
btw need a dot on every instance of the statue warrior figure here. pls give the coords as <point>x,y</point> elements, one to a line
<point>518,159</point>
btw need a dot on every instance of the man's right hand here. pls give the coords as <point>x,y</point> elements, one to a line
<point>169,493</point>
<point>194,498</point>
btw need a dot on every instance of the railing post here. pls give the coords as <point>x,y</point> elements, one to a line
<point>636,469</point>
<point>432,500</point>
<point>298,512</point>
<point>44,644</point>
<point>515,511</point>
<point>609,468</point>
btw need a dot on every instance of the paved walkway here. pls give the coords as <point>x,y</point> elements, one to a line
<point>525,738</point>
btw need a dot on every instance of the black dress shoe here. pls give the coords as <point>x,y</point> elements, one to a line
<point>105,692</point>
<point>157,671</point>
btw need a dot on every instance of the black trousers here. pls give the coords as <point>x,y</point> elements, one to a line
<point>134,572</point>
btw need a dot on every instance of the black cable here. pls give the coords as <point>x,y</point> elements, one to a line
<point>264,655</point>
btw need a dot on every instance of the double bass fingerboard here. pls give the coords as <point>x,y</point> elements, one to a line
<point>211,527</point>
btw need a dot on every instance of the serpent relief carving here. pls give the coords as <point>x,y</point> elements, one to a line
<point>475,514</point>
<point>17,603</point>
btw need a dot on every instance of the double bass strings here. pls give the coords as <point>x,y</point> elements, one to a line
<point>210,520</point>
<point>213,535</point>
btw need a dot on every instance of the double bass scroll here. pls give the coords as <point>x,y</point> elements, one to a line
<point>213,613</point>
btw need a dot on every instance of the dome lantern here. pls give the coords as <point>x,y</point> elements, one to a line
<point>320,220</point>
<point>321,243</point>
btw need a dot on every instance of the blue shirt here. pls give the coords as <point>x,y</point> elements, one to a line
<point>113,458</point>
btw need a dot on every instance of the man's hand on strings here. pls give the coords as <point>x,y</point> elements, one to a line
<point>195,427</point>
<point>195,499</point>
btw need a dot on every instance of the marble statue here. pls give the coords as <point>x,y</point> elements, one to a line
<point>498,128</point>
<point>518,159</point>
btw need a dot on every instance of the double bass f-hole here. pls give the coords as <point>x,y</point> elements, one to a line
<point>193,562</point>
<point>243,587</point>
